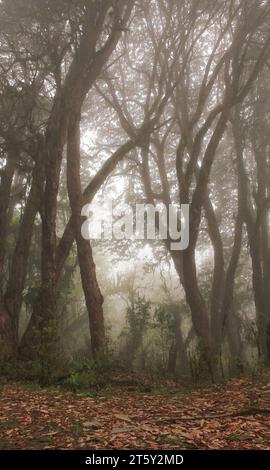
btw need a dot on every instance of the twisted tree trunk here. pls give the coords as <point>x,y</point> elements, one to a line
<point>93,296</point>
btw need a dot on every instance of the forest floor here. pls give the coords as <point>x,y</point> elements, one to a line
<point>235,415</point>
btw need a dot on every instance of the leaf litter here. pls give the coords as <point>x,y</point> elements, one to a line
<point>235,415</point>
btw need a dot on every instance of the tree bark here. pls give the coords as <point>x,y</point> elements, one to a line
<point>254,241</point>
<point>14,292</point>
<point>7,339</point>
<point>93,296</point>
<point>83,72</point>
<point>5,192</point>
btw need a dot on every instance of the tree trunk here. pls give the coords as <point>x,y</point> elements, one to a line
<point>83,72</point>
<point>199,311</point>
<point>5,191</point>
<point>93,297</point>
<point>218,276</point>
<point>254,242</point>
<point>181,347</point>
<point>18,271</point>
<point>7,339</point>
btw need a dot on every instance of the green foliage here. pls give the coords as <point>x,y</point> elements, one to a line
<point>87,375</point>
<point>45,349</point>
<point>152,333</point>
<point>138,318</point>
<point>81,378</point>
<point>138,315</point>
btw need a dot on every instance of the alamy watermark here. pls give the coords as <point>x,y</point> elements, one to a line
<point>141,222</point>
